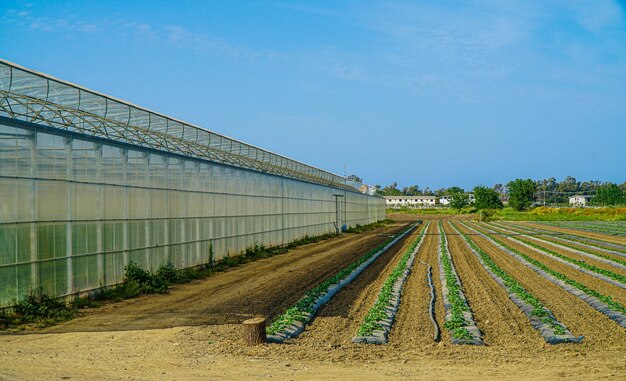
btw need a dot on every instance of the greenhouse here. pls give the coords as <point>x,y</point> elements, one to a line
<point>89,183</point>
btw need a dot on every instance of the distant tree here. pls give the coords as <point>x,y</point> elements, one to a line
<point>378,189</point>
<point>440,192</point>
<point>499,188</point>
<point>486,198</point>
<point>609,194</point>
<point>392,190</point>
<point>412,190</point>
<point>458,197</point>
<point>428,192</point>
<point>521,193</point>
<point>355,178</point>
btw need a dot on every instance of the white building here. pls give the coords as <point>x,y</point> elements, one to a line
<point>579,200</point>
<point>398,201</point>
<point>445,200</point>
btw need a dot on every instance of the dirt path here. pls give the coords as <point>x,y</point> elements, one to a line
<point>266,287</point>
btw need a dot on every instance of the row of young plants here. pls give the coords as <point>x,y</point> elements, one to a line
<point>458,318</point>
<point>378,320</point>
<point>602,257</point>
<point>539,315</point>
<point>567,239</point>
<point>292,321</point>
<point>585,291</point>
<point>582,264</point>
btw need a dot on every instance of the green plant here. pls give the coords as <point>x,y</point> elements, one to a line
<point>167,272</point>
<point>148,283</point>
<point>41,310</point>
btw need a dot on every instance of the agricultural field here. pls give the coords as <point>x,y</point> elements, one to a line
<point>443,298</point>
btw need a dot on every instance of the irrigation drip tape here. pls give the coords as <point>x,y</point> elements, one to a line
<point>381,335</point>
<point>431,304</point>
<point>295,327</point>
<point>595,303</point>
<point>469,325</point>
<point>545,324</point>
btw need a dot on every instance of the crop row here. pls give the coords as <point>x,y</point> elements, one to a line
<point>459,319</point>
<point>568,238</point>
<point>618,228</point>
<point>379,319</point>
<point>608,259</point>
<point>607,275</point>
<point>293,320</point>
<point>602,303</point>
<point>540,317</point>
<point>595,250</point>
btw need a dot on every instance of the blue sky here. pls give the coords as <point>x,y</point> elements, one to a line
<point>429,93</point>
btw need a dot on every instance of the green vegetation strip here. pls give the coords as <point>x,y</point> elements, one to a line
<point>293,320</point>
<point>539,311</point>
<point>562,280</point>
<point>458,316</point>
<point>620,279</point>
<point>389,297</point>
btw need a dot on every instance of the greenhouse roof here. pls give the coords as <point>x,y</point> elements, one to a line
<point>38,98</point>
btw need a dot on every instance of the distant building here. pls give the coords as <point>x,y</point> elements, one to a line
<point>398,201</point>
<point>580,200</point>
<point>445,200</point>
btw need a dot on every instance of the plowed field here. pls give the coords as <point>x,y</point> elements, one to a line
<point>194,332</point>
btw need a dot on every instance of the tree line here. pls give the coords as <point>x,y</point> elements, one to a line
<point>520,194</point>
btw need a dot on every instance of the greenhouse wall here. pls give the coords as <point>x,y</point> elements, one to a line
<point>74,210</point>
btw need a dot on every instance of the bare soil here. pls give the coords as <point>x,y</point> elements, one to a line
<point>195,333</point>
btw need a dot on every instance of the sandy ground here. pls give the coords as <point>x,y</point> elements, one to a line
<point>193,332</point>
